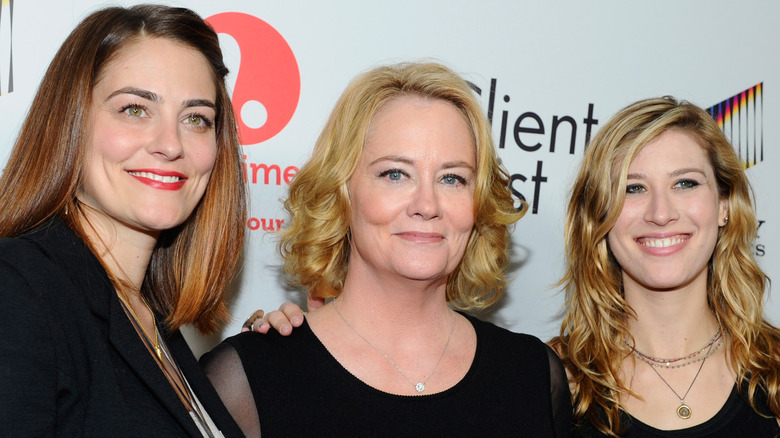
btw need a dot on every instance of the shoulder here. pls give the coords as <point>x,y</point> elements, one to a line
<point>49,243</point>
<point>271,346</point>
<point>514,352</point>
<point>490,333</point>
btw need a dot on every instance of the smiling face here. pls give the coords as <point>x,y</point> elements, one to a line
<point>666,233</point>
<point>152,142</point>
<point>412,193</point>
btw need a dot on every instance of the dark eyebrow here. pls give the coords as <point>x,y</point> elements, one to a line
<point>154,97</point>
<point>199,102</point>
<point>143,94</point>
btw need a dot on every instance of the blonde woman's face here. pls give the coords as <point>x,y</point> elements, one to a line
<point>412,193</point>
<point>666,233</point>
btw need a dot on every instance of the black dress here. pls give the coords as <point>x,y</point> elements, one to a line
<point>736,419</point>
<point>516,386</point>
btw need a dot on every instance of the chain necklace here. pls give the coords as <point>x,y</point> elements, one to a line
<point>154,341</point>
<point>668,363</point>
<point>180,386</point>
<point>683,411</point>
<point>419,386</point>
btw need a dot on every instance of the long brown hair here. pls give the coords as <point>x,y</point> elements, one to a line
<point>594,332</point>
<point>193,263</point>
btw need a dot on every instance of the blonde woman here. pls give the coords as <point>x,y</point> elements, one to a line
<point>401,212</point>
<point>664,332</point>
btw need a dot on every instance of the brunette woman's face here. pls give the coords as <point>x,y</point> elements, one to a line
<point>152,142</point>
<point>667,231</point>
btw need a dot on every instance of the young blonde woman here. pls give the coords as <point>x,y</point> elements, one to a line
<point>664,333</point>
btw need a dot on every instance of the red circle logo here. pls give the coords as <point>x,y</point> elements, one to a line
<point>268,84</point>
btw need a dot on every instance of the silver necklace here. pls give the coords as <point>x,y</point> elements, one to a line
<point>683,411</point>
<point>672,362</point>
<point>419,386</point>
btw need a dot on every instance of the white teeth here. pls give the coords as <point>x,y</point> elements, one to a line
<point>155,177</point>
<point>662,243</point>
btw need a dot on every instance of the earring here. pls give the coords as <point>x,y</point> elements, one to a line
<point>725,220</point>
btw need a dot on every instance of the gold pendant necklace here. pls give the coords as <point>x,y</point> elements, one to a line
<point>154,341</point>
<point>684,411</point>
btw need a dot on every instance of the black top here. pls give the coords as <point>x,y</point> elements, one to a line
<point>71,363</point>
<point>516,386</point>
<point>735,419</point>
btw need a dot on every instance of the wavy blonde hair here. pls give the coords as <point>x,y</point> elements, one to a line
<point>592,341</point>
<point>315,245</point>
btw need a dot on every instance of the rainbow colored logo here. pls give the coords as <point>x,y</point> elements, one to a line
<point>6,54</point>
<point>741,117</point>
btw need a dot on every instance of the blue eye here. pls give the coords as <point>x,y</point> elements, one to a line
<point>452,179</point>
<point>687,184</point>
<point>393,174</point>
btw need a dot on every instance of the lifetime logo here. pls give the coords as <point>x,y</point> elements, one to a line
<point>6,53</point>
<point>267,80</point>
<point>741,117</point>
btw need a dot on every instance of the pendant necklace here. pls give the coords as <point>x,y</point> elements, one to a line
<point>155,344</point>
<point>419,386</point>
<point>683,411</point>
<point>154,341</point>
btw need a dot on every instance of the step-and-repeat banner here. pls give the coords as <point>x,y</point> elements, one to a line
<point>549,74</point>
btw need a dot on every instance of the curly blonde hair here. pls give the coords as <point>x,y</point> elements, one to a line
<point>594,332</point>
<point>315,245</point>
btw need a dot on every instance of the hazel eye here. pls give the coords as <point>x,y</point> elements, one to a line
<point>134,111</point>
<point>199,121</point>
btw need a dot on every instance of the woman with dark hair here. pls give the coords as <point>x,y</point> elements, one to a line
<point>123,219</point>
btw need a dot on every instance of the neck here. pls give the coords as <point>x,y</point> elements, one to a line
<point>394,299</point>
<point>670,323</point>
<point>124,251</point>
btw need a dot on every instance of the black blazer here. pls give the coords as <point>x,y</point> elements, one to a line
<point>71,363</point>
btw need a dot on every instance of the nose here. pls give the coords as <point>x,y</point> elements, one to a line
<point>661,208</point>
<point>424,202</point>
<point>166,143</point>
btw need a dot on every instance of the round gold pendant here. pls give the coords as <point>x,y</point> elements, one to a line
<point>684,411</point>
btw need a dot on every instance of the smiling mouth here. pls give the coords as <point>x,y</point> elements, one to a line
<point>662,243</point>
<point>156,177</point>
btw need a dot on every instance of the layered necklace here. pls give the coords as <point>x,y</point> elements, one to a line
<point>683,410</point>
<point>159,351</point>
<point>418,386</point>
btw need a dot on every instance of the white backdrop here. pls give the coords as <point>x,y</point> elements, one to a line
<point>572,62</point>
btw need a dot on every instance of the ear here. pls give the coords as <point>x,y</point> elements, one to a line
<point>723,212</point>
